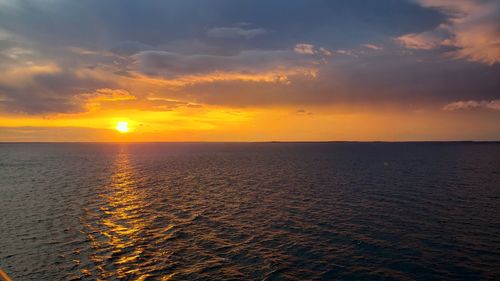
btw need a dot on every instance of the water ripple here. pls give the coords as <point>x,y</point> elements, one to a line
<point>250,211</point>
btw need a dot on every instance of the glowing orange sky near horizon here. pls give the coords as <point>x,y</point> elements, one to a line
<point>259,124</point>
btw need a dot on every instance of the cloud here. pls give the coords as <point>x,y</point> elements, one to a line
<point>302,111</point>
<point>305,49</point>
<point>234,32</point>
<point>373,47</point>
<point>325,52</point>
<point>37,85</point>
<point>473,28</point>
<point>171,65</point>
<point>309,49</point>
<point>105,95</point>
<point>142,104</point>
<point>458,105</point>
<point>38,133</point>
<point>420,41</point>
<point>28,73</point>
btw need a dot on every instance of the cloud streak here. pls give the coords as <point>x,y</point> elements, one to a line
<point>460,105</point>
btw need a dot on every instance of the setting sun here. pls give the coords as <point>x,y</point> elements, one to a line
<point>122,127</point>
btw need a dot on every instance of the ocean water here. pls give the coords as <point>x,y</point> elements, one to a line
<point>250,211</point>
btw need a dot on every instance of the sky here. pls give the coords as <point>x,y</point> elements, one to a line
<point>248,70</point>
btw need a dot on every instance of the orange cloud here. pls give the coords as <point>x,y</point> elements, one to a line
<point>94,100</point>
<point>107,94</point>
<point>272,76</point>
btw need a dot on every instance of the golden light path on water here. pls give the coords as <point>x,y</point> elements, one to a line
<point>118,232</point>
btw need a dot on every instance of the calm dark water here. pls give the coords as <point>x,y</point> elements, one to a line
<point>332,211</point>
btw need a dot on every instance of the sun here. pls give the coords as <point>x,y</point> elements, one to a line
<point>122,127</point>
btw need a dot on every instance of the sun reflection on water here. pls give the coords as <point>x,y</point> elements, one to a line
<point>118,228</point>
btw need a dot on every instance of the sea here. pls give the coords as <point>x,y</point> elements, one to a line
<point>250,211</point>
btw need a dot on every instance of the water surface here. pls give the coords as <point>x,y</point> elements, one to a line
<point>262,211</point>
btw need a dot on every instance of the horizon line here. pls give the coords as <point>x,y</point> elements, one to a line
<point>249,142</point>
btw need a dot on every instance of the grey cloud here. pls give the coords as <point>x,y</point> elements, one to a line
<point>33,104</point>
<point>173,64</point>
<point>407,82</point>
<point>47,93</point>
